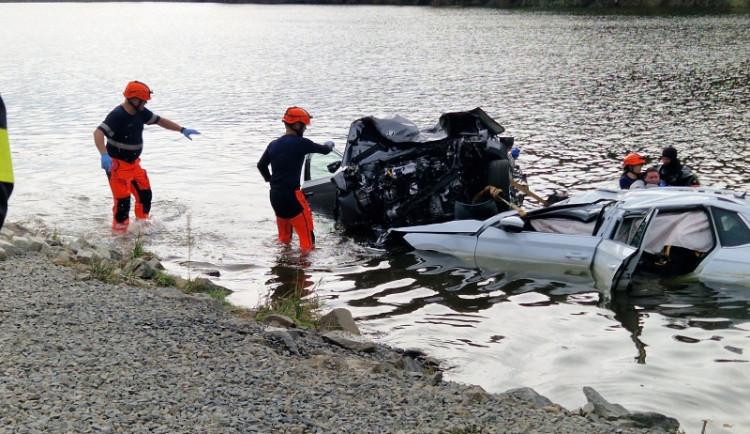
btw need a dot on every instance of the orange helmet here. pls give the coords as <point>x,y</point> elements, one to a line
<point>136,89</point>
<point>296,114</point>
<point>633,160</point>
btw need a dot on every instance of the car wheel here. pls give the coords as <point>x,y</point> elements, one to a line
<point>498,175</point>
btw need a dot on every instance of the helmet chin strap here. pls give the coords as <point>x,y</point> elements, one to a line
<point>136,107</point>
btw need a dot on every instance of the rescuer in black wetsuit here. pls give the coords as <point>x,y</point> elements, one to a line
<point>673,172</point>
<point>286,155</point>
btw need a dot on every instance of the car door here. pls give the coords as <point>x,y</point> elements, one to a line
<point>730,261</point>
<point>567,253</point>
<point>319,191</point>
<point>618,252</point>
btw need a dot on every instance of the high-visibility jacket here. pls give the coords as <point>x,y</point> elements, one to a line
<point>6,166</point>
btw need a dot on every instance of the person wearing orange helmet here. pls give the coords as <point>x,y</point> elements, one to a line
<point>632,166</point>
<point>286,155</point>
<point>119,140</point>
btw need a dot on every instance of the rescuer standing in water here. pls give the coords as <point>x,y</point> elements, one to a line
<point>123,130</point>
<point>286,155</point>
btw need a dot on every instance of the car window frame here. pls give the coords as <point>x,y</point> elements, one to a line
<point>721,235</point>
<point>635,236</point>
<point>308,163</point>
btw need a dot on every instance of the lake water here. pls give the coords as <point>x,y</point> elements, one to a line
<point>577,93</point>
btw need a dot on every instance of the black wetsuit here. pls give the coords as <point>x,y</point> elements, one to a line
<point>677,174</point>
<point>286,155</point>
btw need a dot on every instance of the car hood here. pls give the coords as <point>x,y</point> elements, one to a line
<point>369,134</point>
<point>451,227</point>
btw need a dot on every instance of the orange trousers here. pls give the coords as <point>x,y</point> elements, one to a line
<point>302,224</point>
<point>126,179</point>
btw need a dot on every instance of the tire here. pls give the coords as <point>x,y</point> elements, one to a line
<point>498,175</point>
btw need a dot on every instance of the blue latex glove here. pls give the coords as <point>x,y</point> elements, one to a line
<point>106,162</point>
<point>329,144</point>
<point>514,153</point>
<point>187,132</point>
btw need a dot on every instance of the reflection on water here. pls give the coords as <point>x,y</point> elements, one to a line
<point>686,306</point>
<point>290,277</point>
<point>414,280</point>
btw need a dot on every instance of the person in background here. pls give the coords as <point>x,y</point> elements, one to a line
<point>123,131</point>
<point>673,172</point>
<point>632,165</point>
<point>286,155</point>
<point>650,179</point>
<point>6,165</point>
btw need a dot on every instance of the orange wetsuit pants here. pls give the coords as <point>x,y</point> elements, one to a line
<point>302,224</point>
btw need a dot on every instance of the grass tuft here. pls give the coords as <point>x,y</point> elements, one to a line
<point>138,248</point>
<point>164,279</point>
<point>303,311</point>
<point>103,270</point>
<point>302,305</point>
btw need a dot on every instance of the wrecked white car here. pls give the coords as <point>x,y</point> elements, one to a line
<point>608,235</point>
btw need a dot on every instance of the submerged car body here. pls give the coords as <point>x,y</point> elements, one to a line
<point>393,174</point>
<point>609,235</point>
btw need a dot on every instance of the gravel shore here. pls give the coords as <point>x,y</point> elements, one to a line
<point>80,355</point>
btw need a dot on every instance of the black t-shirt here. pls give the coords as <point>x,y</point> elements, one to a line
<point>124,132</point>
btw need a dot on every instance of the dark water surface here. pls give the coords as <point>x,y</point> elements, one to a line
<point>577,93</point>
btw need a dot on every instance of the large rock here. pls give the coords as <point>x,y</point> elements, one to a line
<point>85,256</point>
<point>277,320</point>
<point>141,268</point>
<point>21,243</point>
<point>602,407</point>
<point>37,244</point>
<point>338,319</point>
<point>349,341</point>
<point>284,338</point>
<point>529,395</point>
<point>6,232</point>
<point>8,247</point>
<point>201,284</point>
<point>653,421</point>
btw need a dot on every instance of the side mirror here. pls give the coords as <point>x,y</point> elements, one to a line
<point>333,167</point>
<point>512,224</point>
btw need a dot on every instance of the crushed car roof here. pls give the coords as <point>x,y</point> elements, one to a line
<point>664,197</point>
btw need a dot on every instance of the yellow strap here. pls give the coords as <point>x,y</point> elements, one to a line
<point>526,190</point>
<point>495,193</point>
